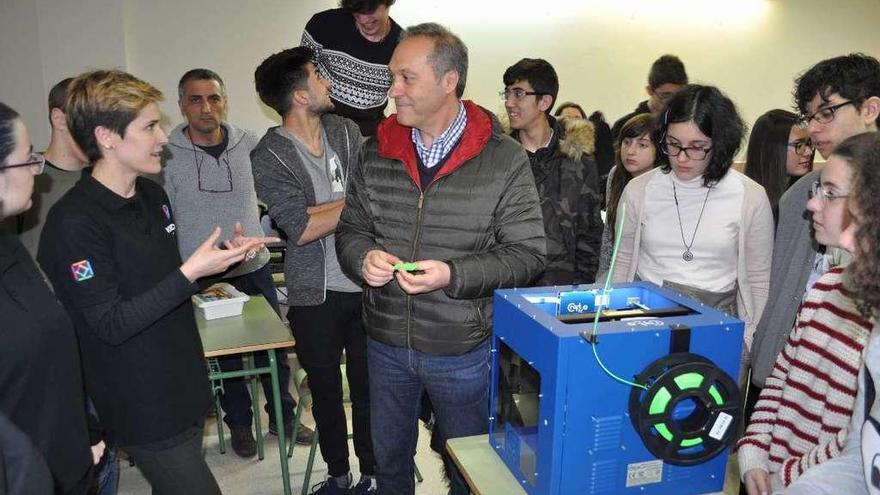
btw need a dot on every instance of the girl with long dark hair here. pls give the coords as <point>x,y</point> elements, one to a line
<point>635,154</point>
<point>780,152</point>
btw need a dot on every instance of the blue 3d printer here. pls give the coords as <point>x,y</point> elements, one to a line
<point>640,399</point>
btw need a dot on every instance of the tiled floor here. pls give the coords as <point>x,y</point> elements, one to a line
<point>254,477</point>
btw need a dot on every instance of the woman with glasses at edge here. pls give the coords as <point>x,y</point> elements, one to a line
<point>110,249</point>
<point>635,154</point>
<point>694,224</point>
<point>802,416</point>
<point>40,375</point>
<point>856,470</point>
<point>779,153</point>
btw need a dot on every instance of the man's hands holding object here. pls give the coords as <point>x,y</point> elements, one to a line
<point>415,277</point>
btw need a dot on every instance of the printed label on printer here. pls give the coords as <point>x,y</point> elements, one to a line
<point>644,473</point>
<point>722,423</point>
<point>577,302</point>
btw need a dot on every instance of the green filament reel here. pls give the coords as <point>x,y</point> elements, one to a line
<point>690,412</point>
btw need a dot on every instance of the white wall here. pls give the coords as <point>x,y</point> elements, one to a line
<point>21,82</point>
<point>44,41</point>
<point>602,50</point>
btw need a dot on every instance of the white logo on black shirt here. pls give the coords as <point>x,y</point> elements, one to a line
<point>335,175</point>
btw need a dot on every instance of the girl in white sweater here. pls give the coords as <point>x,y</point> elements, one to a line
<point>694,224</point>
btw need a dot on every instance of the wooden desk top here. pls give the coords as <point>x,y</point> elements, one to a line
<point>258,328</point>
<point>486,474</point>
<point>482,468</point>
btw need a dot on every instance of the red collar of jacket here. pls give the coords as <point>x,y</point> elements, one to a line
<point>395,142</point>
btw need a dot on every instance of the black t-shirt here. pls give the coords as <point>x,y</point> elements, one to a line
<point>217,149</point>
<point>115,265</point>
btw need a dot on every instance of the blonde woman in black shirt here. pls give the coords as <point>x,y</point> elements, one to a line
<point>109,247</point>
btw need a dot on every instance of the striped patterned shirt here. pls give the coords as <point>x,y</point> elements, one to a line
<point>444,142</point>
<point>802,415</point>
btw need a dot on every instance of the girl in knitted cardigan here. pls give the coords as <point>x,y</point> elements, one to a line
<point>802,415</point>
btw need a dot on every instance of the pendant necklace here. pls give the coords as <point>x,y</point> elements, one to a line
<point>687,255</point>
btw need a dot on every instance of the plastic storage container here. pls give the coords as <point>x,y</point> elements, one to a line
<point>219,301</point>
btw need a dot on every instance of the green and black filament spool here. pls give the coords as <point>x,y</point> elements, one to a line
<point>691,411</point>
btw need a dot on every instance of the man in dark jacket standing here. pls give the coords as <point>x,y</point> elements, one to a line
<point>667,77</point>
<point>441,189</point>
<point>565,174</point>
<point>300,171</point>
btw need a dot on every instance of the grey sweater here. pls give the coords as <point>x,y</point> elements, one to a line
<point>285,186</point>
<point>793,254</point>
<point>193,180</point>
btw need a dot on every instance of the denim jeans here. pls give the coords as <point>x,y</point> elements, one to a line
<point>107,478</point>
<point>458,387</point>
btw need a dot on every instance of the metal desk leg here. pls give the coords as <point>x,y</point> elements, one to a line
<point>279,421</point>
<point>255,403</point>
<point>310,464</point>
<point>219,412</point>
<point>297,421</point>
<point>216,390</point>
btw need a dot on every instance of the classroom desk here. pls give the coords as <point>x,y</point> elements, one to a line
<point>487,475</point>
<point>257,329</point>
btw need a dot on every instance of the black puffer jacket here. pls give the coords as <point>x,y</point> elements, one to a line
<point>565,175</point>
<point>480,214</point>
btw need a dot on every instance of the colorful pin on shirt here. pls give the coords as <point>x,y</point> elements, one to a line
<point>167,212</point>
<point>81,270</point>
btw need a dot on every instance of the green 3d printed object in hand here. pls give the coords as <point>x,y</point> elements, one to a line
<point>407,267</point>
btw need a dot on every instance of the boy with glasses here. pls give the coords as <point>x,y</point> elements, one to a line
<point>839,98</point>
<point>564,170</point>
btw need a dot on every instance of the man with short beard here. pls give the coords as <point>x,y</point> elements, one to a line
<point>301,171</point>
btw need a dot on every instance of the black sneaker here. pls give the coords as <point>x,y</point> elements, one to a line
<point>330,487</point>
<point>243,443</point>
<point>365,486</point>
<point>304,434</point>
